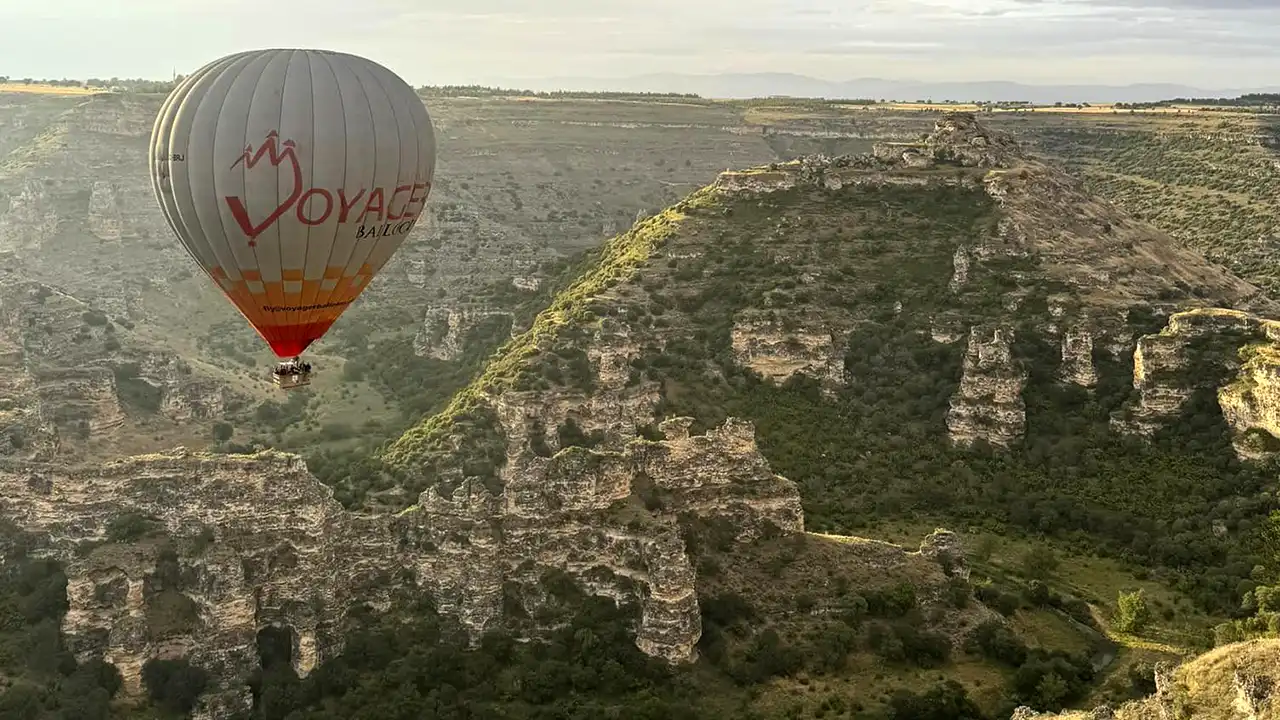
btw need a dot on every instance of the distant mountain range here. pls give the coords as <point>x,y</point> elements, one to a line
<point>749,85</point>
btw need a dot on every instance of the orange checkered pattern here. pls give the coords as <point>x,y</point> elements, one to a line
<point>294,312</point>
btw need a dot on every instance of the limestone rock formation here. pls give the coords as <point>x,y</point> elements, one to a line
<point>1077,346</point>
<point>609,502</point>
<point>30,219</point>
<point>559,457</point>
<point>1251,403</point>
<point>231,564</point>
<point>960,269</point>
<point>960,137</point>
<point>988,404</point>
<point>1159,402</point>
<point>463,254</point>
<point>957,137</point>
<point>828,173</point>
<point>227,564</point>
<point>779,349</point>
<point>1231,353</point>
<point>944,547</point>
<point>84,177</point>
<point>184,395</point>
<point>105,220</point>
<point>74,382</point>
<point>445,327</point>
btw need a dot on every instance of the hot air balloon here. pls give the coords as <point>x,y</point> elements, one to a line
<point>291,177</point>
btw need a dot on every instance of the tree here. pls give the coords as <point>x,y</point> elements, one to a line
<point>1051,691</point>
<point>1271,543</point>
<point>1134,614</point>
<point>174,684</point>
<point>984,548</point>
<point>1268,598</point>
<point>222,432</point>
<point>1039,563</point>
<point>946,701</point>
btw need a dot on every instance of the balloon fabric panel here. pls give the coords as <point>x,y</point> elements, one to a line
<point>291,177</point>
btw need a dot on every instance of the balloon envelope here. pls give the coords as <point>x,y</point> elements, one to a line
<point>291,177</point>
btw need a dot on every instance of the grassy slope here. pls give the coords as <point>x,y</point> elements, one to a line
<point>1206,180</point>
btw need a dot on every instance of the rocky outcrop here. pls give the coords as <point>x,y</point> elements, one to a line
<point>80,187</point>
<point>105,220</point>
<point>1251,402</point>
<point>908,153</point>
<point>960,269</point>
<point>1228,352</point>
<point>957,140</point>
<point>780,348</point>
<point>1231,682</point>
<point>185,395</point>
<point>959,137</point>
<point>229,563</point>
<point>74,384</point>
<point>462,255</point>
<point>1077,357</point>
<point>25,432</point>
<point>988,405</point>
<point>606,506</point>
<point>445,327</point>
<point>30,220</point>
<point>831,173</point>
<point>225,564</point>
<point>945,548</point>
<point>1156,362</point>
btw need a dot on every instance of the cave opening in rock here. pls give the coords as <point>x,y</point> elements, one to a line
<point>275,647</point>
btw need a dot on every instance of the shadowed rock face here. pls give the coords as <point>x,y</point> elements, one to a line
<point>1234,354</point>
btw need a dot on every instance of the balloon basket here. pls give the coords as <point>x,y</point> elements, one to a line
<point>289,382</point>
<point>291,375</point>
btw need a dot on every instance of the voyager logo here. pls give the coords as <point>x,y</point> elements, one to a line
<point>379,203</point>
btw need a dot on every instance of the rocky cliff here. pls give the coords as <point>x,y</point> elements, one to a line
<point>562,456</point>
<point>77,384</point>
<point>610,436</point>
<point>187,555</point>
<point>445,328</point>
<point>1230,354</point>
<point>80,188</point>
<point>1075,270</point>
<point>989,404</point>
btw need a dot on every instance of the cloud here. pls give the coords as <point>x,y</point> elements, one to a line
<point>1087,41</point>
<point>1215,5</point>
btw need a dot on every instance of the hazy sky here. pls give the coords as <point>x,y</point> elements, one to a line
<point>1211,43</point>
